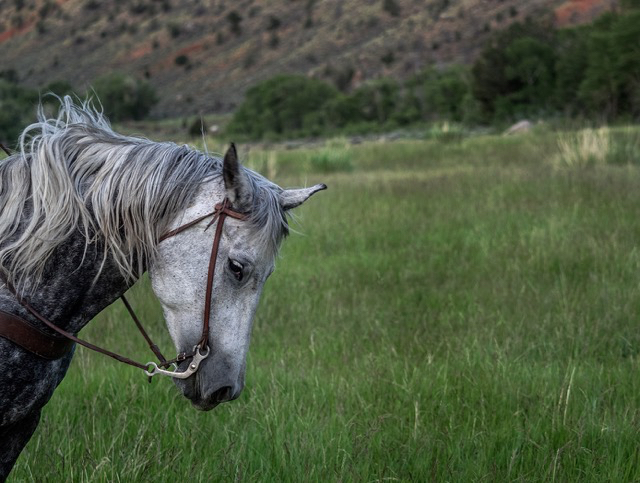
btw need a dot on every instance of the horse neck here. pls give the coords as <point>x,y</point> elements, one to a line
<point>69,295</point>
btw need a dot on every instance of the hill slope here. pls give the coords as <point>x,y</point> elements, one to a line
<point>202,55</point>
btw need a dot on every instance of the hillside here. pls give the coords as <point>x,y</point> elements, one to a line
<point>202,55</point>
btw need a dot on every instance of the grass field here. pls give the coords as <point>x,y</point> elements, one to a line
<point>451,310</point>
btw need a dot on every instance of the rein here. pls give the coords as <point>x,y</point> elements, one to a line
<point>201,349</point>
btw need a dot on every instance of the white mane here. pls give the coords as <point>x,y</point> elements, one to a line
<point>75,174</point>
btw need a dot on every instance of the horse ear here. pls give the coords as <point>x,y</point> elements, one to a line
<point>236,183</point>
<point>289,199</point>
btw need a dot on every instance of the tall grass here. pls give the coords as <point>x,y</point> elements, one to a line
<point>597,147</point>
<point>447,312</point>
<point>584,148</point>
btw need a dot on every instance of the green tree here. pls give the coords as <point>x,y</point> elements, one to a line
<point>375,102</point>
<point>530,71</point>
<point>283,104</point>
<point>235,19</point>
<point>515,73</point>
<point>630,4</point>
<point>612,78</point>
<point>60,88</point>
<point>17,110</point>
<point>443,92</point>
<point>571,63</point>
<point>124,97</point>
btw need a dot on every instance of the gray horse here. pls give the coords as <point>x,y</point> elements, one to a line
<point>83,211</point>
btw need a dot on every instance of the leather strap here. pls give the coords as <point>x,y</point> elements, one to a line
<point>69,335</point>
<point>20,332</point>
<point>222,210</point>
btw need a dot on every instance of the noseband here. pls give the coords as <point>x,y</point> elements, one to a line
<point>201,349</point>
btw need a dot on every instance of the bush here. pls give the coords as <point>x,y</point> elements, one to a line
<point>515,74</point>
<point>376,102</point>
<point>181,60</point>
<point>610,84</point>
<point>391,7</point>
<point>17,110</point>
<point>124,97</point>
<point>441,93</point>
<point>59,88</point>
<point>283,104</point>
<point>197,128</point>
<point>235,19</point>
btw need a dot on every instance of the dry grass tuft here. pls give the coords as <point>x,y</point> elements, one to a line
<point>588,147</point>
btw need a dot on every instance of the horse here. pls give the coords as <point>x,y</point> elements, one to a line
<point>84,212</point>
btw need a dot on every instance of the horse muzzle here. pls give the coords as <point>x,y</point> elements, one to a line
<point>206,389</point>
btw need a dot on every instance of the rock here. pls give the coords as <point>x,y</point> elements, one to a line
<point>518,127</point>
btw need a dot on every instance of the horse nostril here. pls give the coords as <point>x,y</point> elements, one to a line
<point>223,394</point>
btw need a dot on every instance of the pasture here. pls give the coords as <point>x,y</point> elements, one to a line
<point>451,309</point>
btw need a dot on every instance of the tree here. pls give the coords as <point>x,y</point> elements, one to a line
<point>124,97</point>
<point>283,104</point>
<point>17,110</point>
<point>443,92</point>
<point>234,19</point>
<point>530,71</point>
<point>59,87</point>
<point>375,102</point>
<point>571,63</point>
<point>515,73</point>
<point>611,82</point>
<point>391,7</point>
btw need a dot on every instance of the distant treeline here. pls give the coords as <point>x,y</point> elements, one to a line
<point>529,70</point>
<point>122,97</point>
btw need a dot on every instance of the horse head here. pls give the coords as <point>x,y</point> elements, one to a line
<point>244,260</point>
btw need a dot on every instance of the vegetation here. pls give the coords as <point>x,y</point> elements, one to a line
<point>528,70</point>
<point>285,103</point>
<point>455,311</point>
<point>235,19</point>
<point>14,113</point>
<point>122,96</point>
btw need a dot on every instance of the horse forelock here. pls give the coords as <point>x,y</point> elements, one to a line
<point>267,216</point>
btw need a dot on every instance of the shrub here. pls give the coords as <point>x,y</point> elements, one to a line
<point>442,93</point>
<point>234,19</point>
<point>197,128</point>
<point>274,23</point>
<point>391,7</point>
<point>59,88</point>
<point>17,109</point>
<point>515,73</point>
<point>124,97</point>
<point>181,60</point>
<point>282,104</point>
<point>174,29</point>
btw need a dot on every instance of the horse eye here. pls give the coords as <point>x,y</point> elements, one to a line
<point>236,269</point>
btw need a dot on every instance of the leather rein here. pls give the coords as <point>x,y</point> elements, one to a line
<point>19,331</point>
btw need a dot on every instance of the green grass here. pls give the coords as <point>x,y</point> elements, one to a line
<point>451,311</point>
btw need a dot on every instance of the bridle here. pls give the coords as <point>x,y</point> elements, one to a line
<point>201,350</point>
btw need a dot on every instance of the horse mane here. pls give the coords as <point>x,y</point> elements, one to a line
<point>73,174</point>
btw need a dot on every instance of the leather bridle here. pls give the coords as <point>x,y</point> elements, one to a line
<point>201,349</point>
